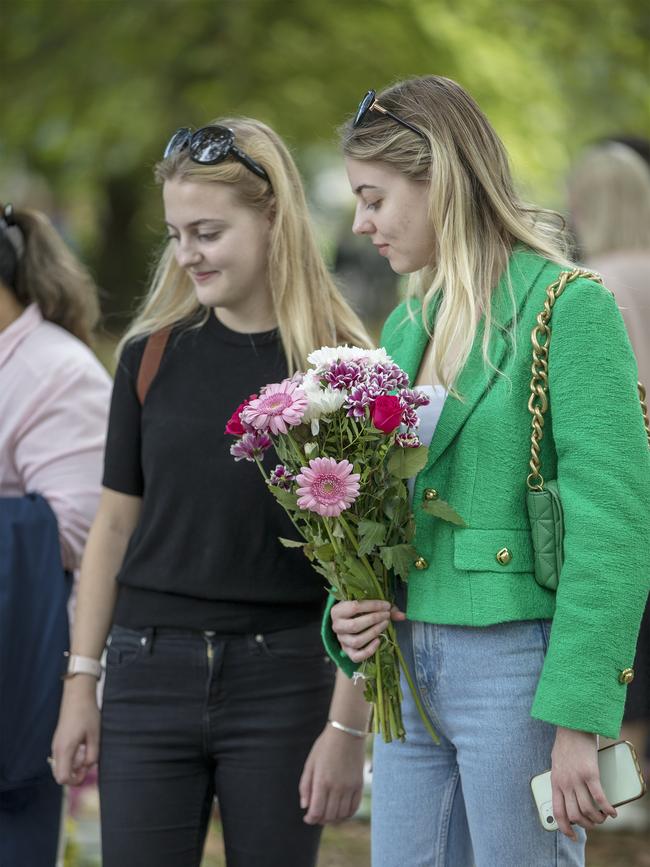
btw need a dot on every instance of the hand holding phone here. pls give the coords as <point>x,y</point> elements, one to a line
<point>620,777</point>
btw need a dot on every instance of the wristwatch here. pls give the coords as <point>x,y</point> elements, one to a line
<point>81,665</point>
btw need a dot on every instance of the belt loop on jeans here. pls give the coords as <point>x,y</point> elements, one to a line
<point>147,638</point>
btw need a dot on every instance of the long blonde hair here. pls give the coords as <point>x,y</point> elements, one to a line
<point>41,269</point>
<point>609,193</point>
<point>310,310</point>
<point>476,216</point>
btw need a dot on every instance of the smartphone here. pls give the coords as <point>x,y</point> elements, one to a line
<point>620,777</point>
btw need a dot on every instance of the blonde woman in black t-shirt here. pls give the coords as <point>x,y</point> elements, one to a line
<point>216,679</point>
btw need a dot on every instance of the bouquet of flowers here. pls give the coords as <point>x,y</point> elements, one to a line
<point>345,433</point>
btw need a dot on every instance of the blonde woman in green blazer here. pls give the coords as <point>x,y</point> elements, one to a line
<point>516,678</point>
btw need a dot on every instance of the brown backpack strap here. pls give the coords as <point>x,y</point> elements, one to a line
<point>151,358</point>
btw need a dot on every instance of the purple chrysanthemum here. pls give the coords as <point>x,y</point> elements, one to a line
<point>379,382</point>
<point>408,440</point>
<point>411,399</point>
<point>343,375</point>
<point>390,375</point>
<point>281,477</point>
<point>251,446</point>
<point>357,401</point>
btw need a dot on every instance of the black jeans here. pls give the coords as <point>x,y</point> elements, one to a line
<point>187,715</point>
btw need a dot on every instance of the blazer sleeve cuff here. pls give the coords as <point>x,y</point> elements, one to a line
<point>334,650</point>
<point>601,693</point>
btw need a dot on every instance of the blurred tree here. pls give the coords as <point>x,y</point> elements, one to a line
<point>91,89</point>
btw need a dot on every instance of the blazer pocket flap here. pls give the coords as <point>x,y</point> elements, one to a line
<point>493,550</point>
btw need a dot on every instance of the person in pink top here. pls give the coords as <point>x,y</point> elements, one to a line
<point>54,397</point>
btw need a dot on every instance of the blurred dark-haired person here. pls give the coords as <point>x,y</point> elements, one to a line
<point>54,398</point>
<point>609,202</point>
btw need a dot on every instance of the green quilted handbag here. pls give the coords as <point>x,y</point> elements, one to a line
<point>543,498</point>
<point>547,530</point>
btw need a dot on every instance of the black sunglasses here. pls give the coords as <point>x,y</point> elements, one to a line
<point>369,103</point>
<point>211,145</point>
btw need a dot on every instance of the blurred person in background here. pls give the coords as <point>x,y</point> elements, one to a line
<point>54,398</point>
<point>516,677</point>
<point>609,205</point>
<point>216,677</point>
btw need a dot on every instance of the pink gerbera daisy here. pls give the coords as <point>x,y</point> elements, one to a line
<point>327,487</point>
<point>282,405</point>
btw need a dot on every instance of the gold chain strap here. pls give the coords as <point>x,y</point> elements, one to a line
<point>538,400</point>
<point>644,408</point>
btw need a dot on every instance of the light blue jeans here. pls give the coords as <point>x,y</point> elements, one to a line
<point>468,801</point>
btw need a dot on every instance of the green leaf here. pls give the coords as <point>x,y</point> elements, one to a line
<point>286,499</point>
<point>441,509</point>
<point>406,463</point>
<point>353,566</point>
<point>372,534</point>
<point>355,576</point>
<point>399,558</point>
<point>290,543</point>
<point>329,572</point>
<point>392,505</point>
<point>325,552</point>
<point>369,668</point>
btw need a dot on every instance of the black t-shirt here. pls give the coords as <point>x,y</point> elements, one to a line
<point>205,553</point>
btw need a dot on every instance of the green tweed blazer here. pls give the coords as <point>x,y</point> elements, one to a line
<point>594,444</point>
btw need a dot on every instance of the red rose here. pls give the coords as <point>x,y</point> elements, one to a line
<point>235,427</point>
<point>386,413</point>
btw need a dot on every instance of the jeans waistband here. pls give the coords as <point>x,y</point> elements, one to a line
<point>150,632</point>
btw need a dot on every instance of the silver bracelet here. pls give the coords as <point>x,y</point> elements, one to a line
<point>356,733</point>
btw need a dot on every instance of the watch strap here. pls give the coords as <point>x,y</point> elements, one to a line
<point>82,665</point>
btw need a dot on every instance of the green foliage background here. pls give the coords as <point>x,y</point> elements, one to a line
<point>91,89</point>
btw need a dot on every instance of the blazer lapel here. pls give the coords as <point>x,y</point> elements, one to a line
<point>473,382</point>
<point>475,377</point>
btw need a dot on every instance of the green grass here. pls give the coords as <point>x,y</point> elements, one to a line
<point>346,845</point>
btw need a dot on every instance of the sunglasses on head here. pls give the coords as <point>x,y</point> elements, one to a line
<point>211,145</point>
<point>369,103</point>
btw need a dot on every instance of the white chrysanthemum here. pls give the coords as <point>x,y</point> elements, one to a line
<point>327,354</point>
<point>378,356</point>
<point>311,383</point>
<point>320,401</point>
<point>323,401</point>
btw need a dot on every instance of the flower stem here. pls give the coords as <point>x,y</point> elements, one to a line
<point>331,536</point>
<point>300,457</point>
<point>261,468</point>
<point>392,635</point>
<point>289,515</point>
<point>416,697</point>
<point>380,694</point>
<point>371,572</point>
